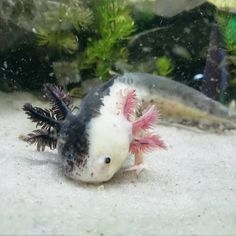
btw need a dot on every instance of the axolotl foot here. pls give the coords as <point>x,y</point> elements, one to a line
<point>138,168</point>
<point>138,164</point>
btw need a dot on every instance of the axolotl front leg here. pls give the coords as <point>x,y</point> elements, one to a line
<point>138,164</point>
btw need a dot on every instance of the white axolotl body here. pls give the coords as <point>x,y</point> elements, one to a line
<point>95,142</point>
<point>109,138</point>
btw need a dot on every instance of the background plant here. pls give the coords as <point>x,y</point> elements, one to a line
<point>94,36</point>
<point>60,25</point>
<point>227,24</point>
<point>114,26</point>
<point>164,66</point>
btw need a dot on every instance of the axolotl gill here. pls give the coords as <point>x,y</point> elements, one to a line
<point>94,142</point>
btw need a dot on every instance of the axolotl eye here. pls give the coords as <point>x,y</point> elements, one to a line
<point>107,160</point>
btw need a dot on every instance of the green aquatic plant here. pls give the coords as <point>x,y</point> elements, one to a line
<point>59,41</point>
<point>143,19</point>
<point>60,24</point>
<point>65,14</point>
<point>230,34</point>
<point>59,27</point>
<point>230,39</point>
<point>164,66</point>
<point>103,29</point>
<point>227,24</point>
<point>114,25</point>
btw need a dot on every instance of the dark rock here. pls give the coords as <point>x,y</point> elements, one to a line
<point>167,8</point>
<point>23,65</point>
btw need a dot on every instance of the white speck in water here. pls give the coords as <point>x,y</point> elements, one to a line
<point>187,30</point>
<point>34,30</point>
<point>5,64</point>
<point>147,49</point>
<point>198,77</point>
<point>213,79</point>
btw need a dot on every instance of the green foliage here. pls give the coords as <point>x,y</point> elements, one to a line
<point>227,24</point>
<point>67,14</point>
<point>108,22</point>
<point>143,19</point>
<point>113,19</point>
<point>230,34</point>
<point>58,23</point>
<point>164,66</point>
<point>61,41</point>
<point>114,25</point>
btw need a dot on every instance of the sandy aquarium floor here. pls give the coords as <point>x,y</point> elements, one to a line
<point>190,189</point>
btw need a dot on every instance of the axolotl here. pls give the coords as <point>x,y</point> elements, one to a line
<point>94,142</point>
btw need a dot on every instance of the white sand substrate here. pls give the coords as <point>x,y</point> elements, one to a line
<point>189,189</point>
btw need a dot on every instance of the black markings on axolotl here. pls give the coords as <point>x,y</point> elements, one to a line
<point>71,137</point>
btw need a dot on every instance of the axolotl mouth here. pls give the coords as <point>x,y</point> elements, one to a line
<point>100,170</point>
<point>90,176</point>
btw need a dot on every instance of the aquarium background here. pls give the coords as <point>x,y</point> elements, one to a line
<point>69,42</point>
<point>181,55</point>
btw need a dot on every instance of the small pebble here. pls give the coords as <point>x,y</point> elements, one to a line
<point>100,187</point>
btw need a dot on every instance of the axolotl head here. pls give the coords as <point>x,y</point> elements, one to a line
<point>95,152</point>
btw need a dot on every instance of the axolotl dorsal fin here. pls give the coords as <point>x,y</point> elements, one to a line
<point>49,120</point>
